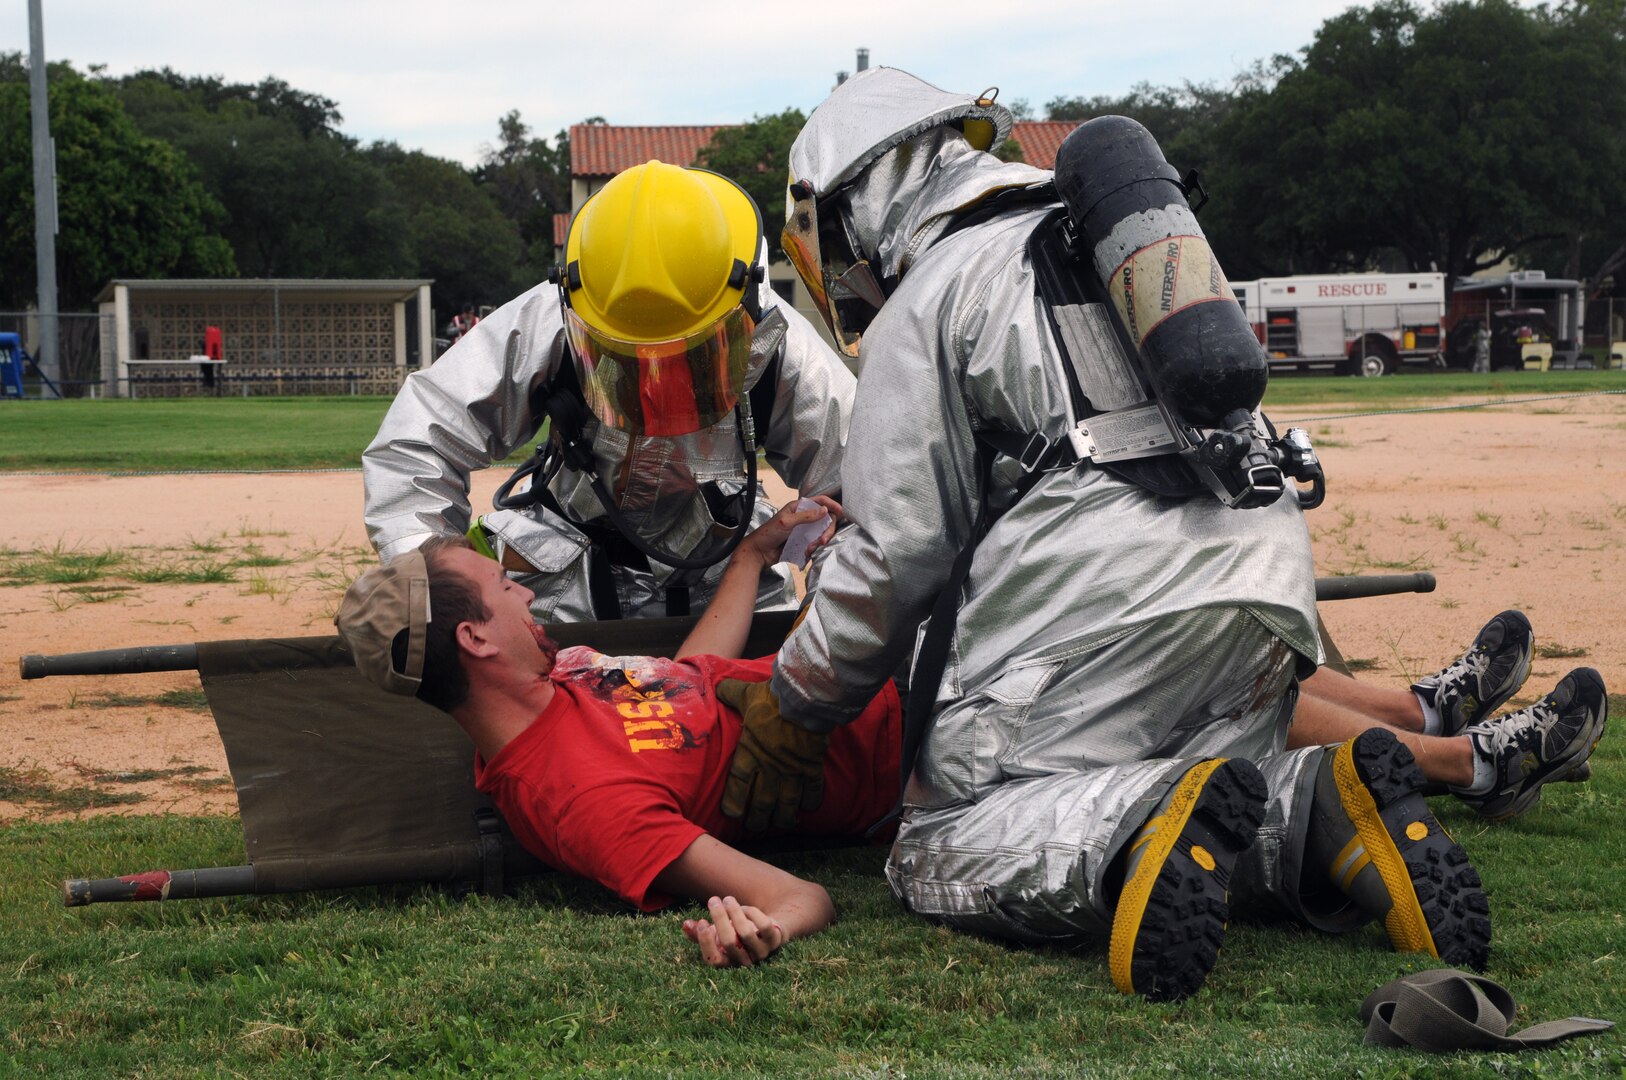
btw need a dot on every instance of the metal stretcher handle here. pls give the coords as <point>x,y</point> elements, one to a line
<point>160,885</point>
<point>136,660</point>
<point>1354,588</point>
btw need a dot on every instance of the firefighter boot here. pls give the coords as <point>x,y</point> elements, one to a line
<point>1172,912</point>
<point>1373,834</point>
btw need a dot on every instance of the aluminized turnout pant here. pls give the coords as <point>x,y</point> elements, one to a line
<point>1030,785</point>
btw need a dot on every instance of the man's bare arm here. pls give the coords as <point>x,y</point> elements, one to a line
<point>754,907</point>
<point>726,624</point>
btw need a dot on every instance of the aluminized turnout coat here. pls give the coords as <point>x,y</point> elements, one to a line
<point>1106,639</point>
<point>474,407</point>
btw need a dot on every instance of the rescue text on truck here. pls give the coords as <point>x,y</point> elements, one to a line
<point>1358,324</point>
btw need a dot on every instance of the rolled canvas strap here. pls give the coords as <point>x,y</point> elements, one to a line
<point>1445,1010</point>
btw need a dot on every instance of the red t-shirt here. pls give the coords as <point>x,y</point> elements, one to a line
<point>626,767</point>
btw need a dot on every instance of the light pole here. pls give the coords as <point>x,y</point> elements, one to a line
<point>49,358</point>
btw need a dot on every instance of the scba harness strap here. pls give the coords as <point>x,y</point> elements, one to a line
<point>617,543</point>
<point>1057,282</point>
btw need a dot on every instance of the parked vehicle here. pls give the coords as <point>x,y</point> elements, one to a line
<point>1358,324</point>
<point>1525,308</point>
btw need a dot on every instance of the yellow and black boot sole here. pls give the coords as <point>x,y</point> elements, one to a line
<point>1437,904</point>
<point>1175,905</point>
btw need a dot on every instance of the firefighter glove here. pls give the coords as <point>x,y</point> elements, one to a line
<point>778,768</point>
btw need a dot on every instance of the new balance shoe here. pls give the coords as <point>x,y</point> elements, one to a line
<point>1478,682</point>
<point>1550,740</point>
<point>1373,834</point>
<point>1172,913</point>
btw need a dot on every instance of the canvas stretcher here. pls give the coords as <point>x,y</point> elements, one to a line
<point>340,784</point>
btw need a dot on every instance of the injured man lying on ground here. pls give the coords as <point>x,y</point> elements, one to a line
<point>613,768</point>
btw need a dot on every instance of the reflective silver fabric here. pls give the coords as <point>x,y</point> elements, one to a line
<point>1064,592</point>
<point>891,222</point>
<point>872,112</point>
<point>1029,785</point>
<point>1270,880</point>
<point>473,407</point>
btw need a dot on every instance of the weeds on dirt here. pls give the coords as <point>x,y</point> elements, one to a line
<point>184,573</point>
<point>1467,545</point>
<point>57,565</point>
<point>247,531</point>
<point>1415,563</point>
<point>260,560</point>
<point>260,584</point>
<point>183,698</point>
<point>1488,519</point>
<point>1360,663</point>
<point>137,776</point>
<point>1553,651</point>
<point>205,783</point>
<point>33,787</point>
<point>99,594</point>
<point>1439,521</point>
<point>84,573</point>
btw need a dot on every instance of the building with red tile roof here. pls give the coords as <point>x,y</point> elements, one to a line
<point>1040,139</point>
<point>602,150</point>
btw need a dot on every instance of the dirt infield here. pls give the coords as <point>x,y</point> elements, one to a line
<point>1510,507</point>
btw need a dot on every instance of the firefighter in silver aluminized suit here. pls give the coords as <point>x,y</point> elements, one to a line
<point>663,332</point>
<point>1111,645</point>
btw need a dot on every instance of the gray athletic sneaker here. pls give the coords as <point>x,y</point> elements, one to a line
<point>1478,682</point>
<point>1550,740</point>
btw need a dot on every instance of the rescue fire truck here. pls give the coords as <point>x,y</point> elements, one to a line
<point>1360,324</point>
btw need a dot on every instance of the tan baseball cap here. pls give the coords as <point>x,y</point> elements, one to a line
<point>379,605</point>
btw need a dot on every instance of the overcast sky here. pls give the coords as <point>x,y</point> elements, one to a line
<point>436,76</point>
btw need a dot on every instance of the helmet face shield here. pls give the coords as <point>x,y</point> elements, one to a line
<point>843,286</point>
<point>664,387</point>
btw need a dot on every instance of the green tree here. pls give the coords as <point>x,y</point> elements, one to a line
<point>529,181</point>
<point>453,230</point>
<point>1589,48</point>
<point>1451,139</point>
<point>754,156</point>
<point>301,199</point>
<point>128,205</point>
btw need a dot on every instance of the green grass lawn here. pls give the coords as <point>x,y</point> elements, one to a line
<point>558,978</point>
<point>189,433</point>
<point>1413,389</point>
<point>312,433</point>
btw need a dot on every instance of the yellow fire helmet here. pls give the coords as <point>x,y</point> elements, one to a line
<point>660,292</point>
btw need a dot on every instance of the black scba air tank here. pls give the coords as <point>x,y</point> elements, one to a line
<point>1129,209</point>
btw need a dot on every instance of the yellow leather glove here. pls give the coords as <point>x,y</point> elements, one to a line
<point>778,767</point>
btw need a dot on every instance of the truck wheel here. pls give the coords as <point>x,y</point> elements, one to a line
<point>1371,359</point>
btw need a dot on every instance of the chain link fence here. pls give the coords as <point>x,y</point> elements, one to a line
<point>81,338</point>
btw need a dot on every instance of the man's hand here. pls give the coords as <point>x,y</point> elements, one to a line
<point>778,767</point>
<point>767,540</point>
<point>736,935</point>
